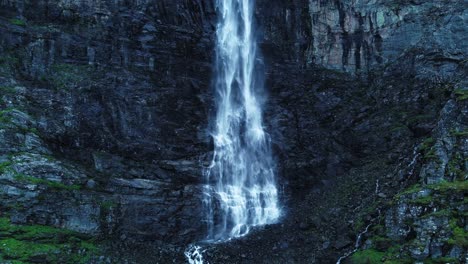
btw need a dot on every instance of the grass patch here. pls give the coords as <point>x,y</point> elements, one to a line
<point>457,133</point>
<point>461,94</point>
<point>443,187</point>
<point>4,116</point>
<point>425,200</point>
<point>427,149</point>
<point>452,187</point>
<point>412,189</point>
<point>8,64</point>
<point>455,167</point>
<point>440,213</point>
<point>64,76</point>
<point>367,256</point>
<point>44,244</point>
<point>5,166</point>
<point>18,22</point>
<point>7,89</point>
<point>427,144</point>
<point>459,235</point>
<point>107,205</point>
<point>51,184</point>
<point>398,127</point>
<point>441,261</point>
<point>418,118</point>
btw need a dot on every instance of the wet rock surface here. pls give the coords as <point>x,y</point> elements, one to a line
<point>105,109</point>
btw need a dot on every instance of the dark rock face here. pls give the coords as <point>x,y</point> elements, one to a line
<point>121,89</point>
<point>105,108</point>
<point>360,36</point>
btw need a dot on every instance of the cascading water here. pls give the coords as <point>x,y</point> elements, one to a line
<point>242,169</point>
<point>241,190</point>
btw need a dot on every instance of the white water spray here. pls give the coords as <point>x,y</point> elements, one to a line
<point>194,254</point>
<point>240,190</point>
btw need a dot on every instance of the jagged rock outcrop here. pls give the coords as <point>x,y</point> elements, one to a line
<point>360,36</point>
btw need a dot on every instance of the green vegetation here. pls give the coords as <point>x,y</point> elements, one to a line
<point>51,184</point>
<point>425,200</point>
<point>27,130</point>
<point>457,133</point>
<point>7,64</point>
<point>461,94</point>
<point>392,255</point>
<point>65,76</point>
<point>7,90</point>
<point>8,59</point>
<point>444,200</point>
<point>107,205</point>
<point>412,189</point>
<point>455,167</point>
<point>418,118</point>
<point>459,235</point>
<point>360,222</point>
<point>442,188</point>
<point>4,166</point>
<point>4,117</point>
<point>397,127</point>
<point>18,22</point>
<point>450,187</point>
<point>441,261</point>
<point>367,256</point>
<point>427,149</point>
<point>440,213</point>
<point>29,243</point>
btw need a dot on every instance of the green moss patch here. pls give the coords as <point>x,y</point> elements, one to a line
<point>367,256</point>
<point>65,76</point>
<point>459,235</point>
<point>410,190</point>
<point>427,149</point>
<point>457,133</point>
<point>5,166</point>
<point>44,244</point>
<point>7,90</point>
<point>18,22</point>
<point>51,184</point>
<point>419,118</point>
<point>5,118</point>
<point>425,200</point>
<point>450,187</point>
<point>8,63</point>
<point>441,261</point>
<point>461,94</point>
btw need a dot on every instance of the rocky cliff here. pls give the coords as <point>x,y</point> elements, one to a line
<point>105,108</point>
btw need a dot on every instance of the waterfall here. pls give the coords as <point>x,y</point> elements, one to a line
<point>240,190</point>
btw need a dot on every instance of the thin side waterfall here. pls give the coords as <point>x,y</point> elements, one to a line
<point>240,190</point>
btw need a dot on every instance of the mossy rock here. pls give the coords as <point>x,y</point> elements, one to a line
<point>50,184</point>
<point>367,256</point>
<point>43,244</point>
<point>18,22</point>
<point>461,94</point>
